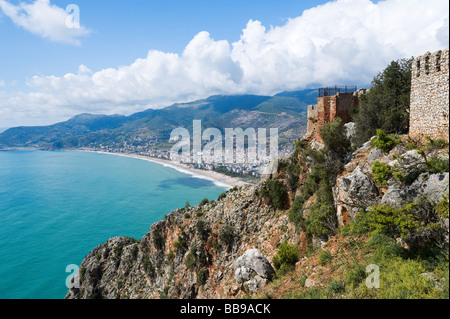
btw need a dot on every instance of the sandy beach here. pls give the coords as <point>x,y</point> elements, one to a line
<point>218,178</point>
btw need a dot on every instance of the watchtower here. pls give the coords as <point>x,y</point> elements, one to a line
<point>332,102</point>
<point>429,96</point>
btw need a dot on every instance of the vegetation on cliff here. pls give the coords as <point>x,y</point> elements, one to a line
<point>336,222</point>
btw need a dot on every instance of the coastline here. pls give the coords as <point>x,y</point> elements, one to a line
<point>219,179</point>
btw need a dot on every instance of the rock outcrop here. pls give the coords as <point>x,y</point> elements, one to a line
<point>253,270</point>
<point>193,257</point>
<point>224,249</point>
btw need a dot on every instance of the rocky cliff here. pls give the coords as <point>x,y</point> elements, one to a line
<point>225,248</point>
<point>192,253</point>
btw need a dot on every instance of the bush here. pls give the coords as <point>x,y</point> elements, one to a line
<point>181,242</point>
<point>190,260</point>
<point>204,201</point>
<point>384,142</point>
<point>355,275</point>
<point>418,223</point>
<point>287,256</point>
<point>276,192</point>
<point>296,213</point>
<point>322,220</point>
<point>292,178</point>
<point>325,257</point>
<point>202,230</point>
<point>437,165</point>
<point>202,276</point>
<point>222,196</point>
<point>436,144</point>
<point>226,235</point>
<point>158,240</point>
<point>381,173</point>
<point>148,267</point>
<point>187,215</point>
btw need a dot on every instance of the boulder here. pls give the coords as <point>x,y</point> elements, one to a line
<point>253,270</point>
<point>430,185</point>
<point>353,192</point>
<point>375,154</point>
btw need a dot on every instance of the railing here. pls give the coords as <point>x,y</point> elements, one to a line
<point>331,91</point>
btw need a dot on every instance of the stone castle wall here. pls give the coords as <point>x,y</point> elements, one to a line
<point>429,106</point>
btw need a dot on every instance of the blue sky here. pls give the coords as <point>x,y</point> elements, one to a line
<point>132,55</point>
<point>123,31</point>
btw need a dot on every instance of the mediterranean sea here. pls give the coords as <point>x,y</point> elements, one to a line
<point>55,207</point>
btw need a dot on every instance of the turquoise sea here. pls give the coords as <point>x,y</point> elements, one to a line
<point>55,207</point>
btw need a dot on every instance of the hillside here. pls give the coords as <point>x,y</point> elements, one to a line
<point>151,128</point>
<point>257,241</point>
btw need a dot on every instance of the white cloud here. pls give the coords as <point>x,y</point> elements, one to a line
<point>340,42</point>
<point>44,19</point>
<point>2,83</point>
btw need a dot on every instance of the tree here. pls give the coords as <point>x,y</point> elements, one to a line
<point>386,105</point>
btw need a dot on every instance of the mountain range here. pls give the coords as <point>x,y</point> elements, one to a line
<point>286,111</point>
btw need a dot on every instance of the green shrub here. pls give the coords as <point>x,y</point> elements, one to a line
<point>202,230</point>
<point>325,257</point>
<point>222,196</point>
<point>181,242</point>
<point>148,267</point>
<point>226,235</point>
<point>292,176</point>
<point>276,192</point>
<point>187,205</point>
<point>296,211</point>
<point>335,287</point>
<point>187,215</point>
<point>202,276</point>
<point>436,144</point>
<point>381,173</point>
<point>204,201</point>
<point>158,240</point>
<point>411,146</point>
<point>355,275</point>
<point>437,165</point>
<point>190,260</point>
<point>287,256</point>
<point>386,105</point>
<point>384,142</point>
<point>321,220</point>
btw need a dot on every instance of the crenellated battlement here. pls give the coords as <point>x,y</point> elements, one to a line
<point>429,108</point>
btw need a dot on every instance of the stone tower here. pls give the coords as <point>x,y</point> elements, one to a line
<point>429,96</point>
<point>332,103</point>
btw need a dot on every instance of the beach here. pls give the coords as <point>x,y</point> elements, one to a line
<point>215,177</point>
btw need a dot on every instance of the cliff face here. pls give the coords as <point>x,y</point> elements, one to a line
<point>224,249</point>
<point>190,257</point>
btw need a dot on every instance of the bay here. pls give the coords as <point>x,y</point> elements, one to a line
<point>55,207</point>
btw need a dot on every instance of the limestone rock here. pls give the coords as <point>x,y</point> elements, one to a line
<point>353,192</point>
<point>253,270</point>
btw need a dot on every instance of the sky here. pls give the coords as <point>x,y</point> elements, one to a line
<point>121,57</point>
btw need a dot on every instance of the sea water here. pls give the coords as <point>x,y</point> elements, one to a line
<point>55,207</point>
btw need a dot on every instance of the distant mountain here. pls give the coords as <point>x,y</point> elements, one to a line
<point>2,129</point>
<point>151,128</point>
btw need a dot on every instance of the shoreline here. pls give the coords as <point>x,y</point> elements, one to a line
<point>218,179</point>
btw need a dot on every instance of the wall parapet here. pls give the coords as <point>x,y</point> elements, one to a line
<point>429,107</point>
